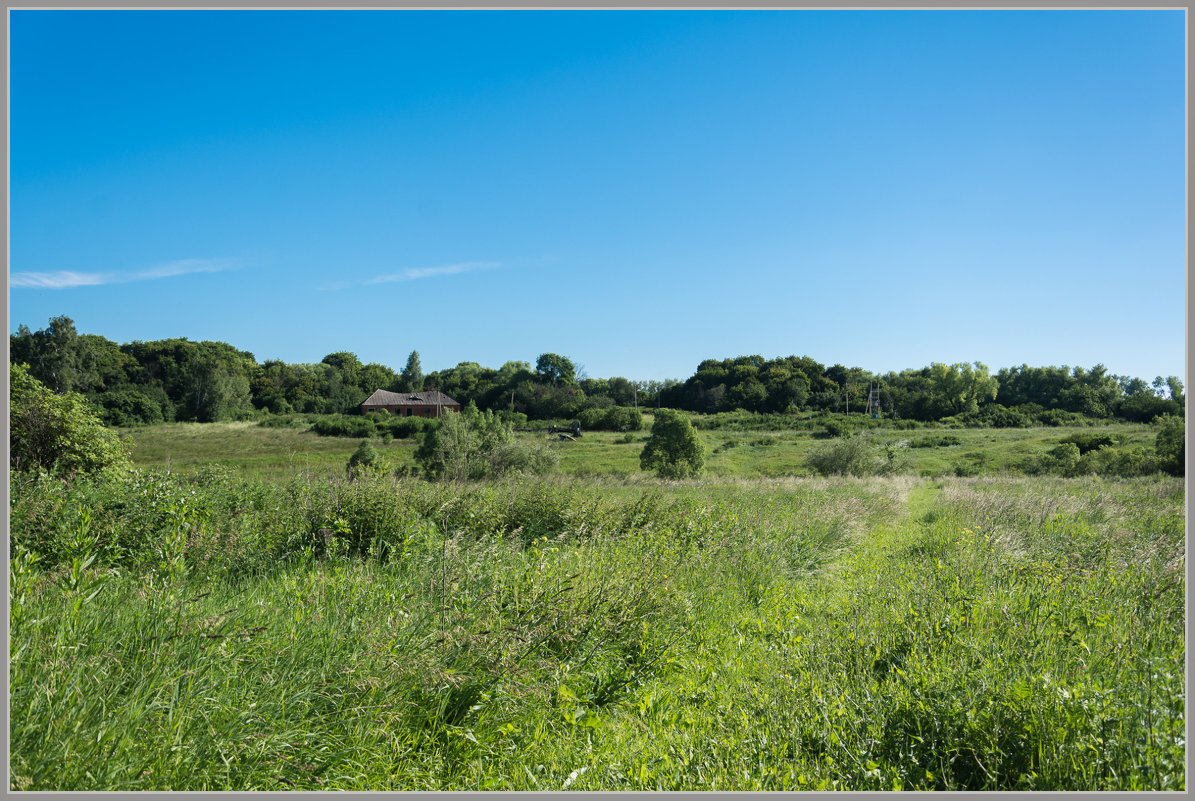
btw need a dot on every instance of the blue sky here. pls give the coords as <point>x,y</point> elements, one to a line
<point>636,190</point>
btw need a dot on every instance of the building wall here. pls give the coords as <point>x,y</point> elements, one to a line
<point>416,411</point>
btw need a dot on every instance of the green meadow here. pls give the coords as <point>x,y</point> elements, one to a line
<point>282,452</point>
<point>239,615</point>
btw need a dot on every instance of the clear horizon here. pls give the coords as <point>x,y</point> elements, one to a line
<point>636,190</point>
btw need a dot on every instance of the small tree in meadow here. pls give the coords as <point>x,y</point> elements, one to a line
<point>673,449</point>
<point>364,460</point>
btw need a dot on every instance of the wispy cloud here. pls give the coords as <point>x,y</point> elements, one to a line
<point>59,280</point>
<point>415,273</point>
<point>66,279</point>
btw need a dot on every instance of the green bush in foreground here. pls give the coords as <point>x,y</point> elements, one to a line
<point>58,434</point>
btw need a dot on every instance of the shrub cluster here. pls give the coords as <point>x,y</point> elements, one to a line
<point>370,425</point>
<point>474,445</point>
<point>857,456</point>
<point>938,441</point>
<point>613,418</point>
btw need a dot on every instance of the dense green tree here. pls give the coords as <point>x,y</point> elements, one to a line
<point>555,369</point>
<point>58,433</point>
<point>347,364</point>
<point>376,376</point>
<point>959,388</point>
<point>55,355</point>
<point>412,374</point>
<point>206,381</point>
<point>673,450</point>
<point>1144,407</point>
<point>128,406</point>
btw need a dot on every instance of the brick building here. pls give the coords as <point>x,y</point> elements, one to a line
<point>428,403</point>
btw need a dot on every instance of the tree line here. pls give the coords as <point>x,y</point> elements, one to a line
<point>182,380</point>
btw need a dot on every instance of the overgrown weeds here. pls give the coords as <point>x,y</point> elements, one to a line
<point>206,632</point>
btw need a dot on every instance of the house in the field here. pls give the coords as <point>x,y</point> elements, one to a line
<point>428,403</point>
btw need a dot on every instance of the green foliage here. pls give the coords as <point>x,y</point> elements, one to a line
<point>213,381</point>
<point>555,369</point>
<point>345,425</point>
<point>128,406</point>
<point>405,427</point>
<point>1059,417</point>
<point>1088,442</point>
<point>474,445</point>
<point>1117,462</point>
<point>58,434</point>
<point>1170,445</point>
<point>857,456</point>
<point>612,418</point>
<point>364,460</point>
<point>995,415</point>
<point>836,428</point>
<point>412,374</point>
<point>935,441</point>
<point>673,450</point>
<point>1062,460</point>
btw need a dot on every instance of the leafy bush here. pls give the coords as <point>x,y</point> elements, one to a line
<point>856,456</point>
<point>1062,459</point>
<point>344,425</point>
<point>1170,445</point>
<point>996,415</point>
<point>58,434</point>
<point>938,441</point>
<point>127,407</point>
<point>474,445</point>
<point>1058,417</point>
<point>624,418</point>
<point>1088,442</point>
<point>612,418</point>
<point>404,427</point>
<point>280,405</point>
<point>1119,463</point>
<point>592,419</point>
<point>673,449</point>
<point>519,457</point>
<point>836,428</point>
<point>365,460</point>
<point>1145,407</point>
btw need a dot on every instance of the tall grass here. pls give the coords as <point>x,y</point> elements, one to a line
<point>206,632</point>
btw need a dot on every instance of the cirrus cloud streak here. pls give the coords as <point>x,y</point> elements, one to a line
<point>415,273</point>
<point>68,279</point>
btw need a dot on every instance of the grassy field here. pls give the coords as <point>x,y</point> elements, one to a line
<point>207,630</point>
<point>283,452</point>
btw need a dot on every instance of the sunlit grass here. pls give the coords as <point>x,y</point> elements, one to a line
<point>284,452</point>
<point>616,633</point>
